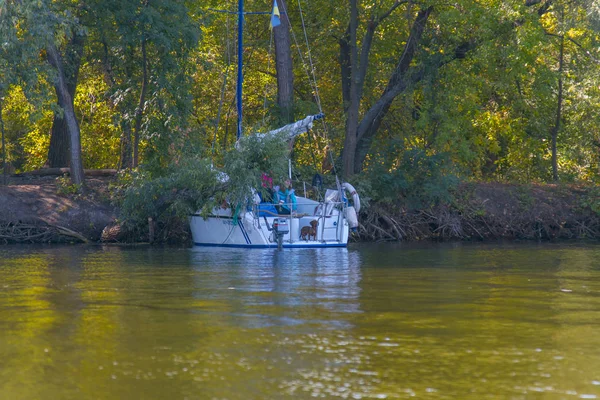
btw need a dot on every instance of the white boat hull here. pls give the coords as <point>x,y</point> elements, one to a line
<point>250,230</point>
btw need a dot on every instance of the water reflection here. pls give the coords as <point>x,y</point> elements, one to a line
<point>327,278</point>
<point>436,321</point>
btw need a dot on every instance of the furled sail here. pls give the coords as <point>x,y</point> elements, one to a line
<point>294,129</point>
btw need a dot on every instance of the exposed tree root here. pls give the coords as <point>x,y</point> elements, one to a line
<point>36,231</point>
<point>549,216</point>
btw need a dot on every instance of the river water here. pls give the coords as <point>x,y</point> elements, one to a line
<point>435,321</point>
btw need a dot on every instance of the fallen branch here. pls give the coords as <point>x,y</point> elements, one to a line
<point>67,171</point>
<point>37,231</point>
<point>68,232</point>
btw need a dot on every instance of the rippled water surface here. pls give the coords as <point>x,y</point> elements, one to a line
<point>449,321</point>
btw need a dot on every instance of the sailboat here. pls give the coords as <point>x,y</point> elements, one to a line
<point>288,220</point>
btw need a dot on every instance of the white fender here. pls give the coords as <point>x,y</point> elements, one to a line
<point>355,198</point>
<point>351,217</point>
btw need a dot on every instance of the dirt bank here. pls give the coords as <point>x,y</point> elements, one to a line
<point>482,211</point>
<point>33,210</point>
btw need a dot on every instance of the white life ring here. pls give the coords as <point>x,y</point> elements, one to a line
<point>354,194</point>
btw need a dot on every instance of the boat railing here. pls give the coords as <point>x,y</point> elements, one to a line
<point>320,210</point>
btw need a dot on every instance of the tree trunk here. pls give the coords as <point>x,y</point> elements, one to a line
<point>373,118</point>
<point>354,100</point>
<point>359,135</point>
<point>59,150</point>
<point>345,68</point>
<point>283,66</point>
<point>139,112</point>
<point>126,159</point>
<point>556,127</point>
<point>55,60</point>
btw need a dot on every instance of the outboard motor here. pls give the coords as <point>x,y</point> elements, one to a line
<point>280,228</point>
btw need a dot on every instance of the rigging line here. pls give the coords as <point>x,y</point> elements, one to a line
<point>219,111</point>
<point>309,133</point>
<point>223,87</point>
<point>312,66</point>
<point>229,234</point>
<point>330,153</point>
<point>240,75</point>
<point>314,81</point>
<point>266,83</point>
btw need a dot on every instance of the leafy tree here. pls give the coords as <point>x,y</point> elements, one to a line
<point>71,54</point>
<point>503,90</point>
<point>20,68</point>
<point>143,49</point>
<point>39,28</point>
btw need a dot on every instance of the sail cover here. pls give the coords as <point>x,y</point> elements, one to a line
<point>294,129</point>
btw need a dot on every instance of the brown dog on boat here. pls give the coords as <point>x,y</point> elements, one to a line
<point>309,231</point>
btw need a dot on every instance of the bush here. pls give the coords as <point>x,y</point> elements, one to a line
<point>192,185</point>
<point>417,180</point>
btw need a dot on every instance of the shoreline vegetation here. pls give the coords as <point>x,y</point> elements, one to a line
<point>470,121</point>
<point>47,209</point>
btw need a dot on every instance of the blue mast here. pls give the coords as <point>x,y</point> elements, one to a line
<point>240,77</point>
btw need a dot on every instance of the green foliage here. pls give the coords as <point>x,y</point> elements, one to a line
<point>591,200</point>
<point>99,133</point>
<point>416,180</point>
<point>64,186</point>
<point>186,188</point>
<point>169,34</point>
<point>255,154</point>
<point>16,112</point>
<point>191,184</point>
<point>488,112</point>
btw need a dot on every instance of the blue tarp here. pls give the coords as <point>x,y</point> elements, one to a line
<point>266,210</point>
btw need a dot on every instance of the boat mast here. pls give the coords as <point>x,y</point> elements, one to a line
<point>240,76</point>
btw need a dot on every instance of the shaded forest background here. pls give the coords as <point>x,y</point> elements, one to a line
<point>417,95</point>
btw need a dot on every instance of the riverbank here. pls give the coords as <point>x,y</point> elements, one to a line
<point>482,211</point>
<point>47,210</point>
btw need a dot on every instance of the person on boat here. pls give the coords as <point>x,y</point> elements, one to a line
<point>266,194</point>
<point>266,180</point>
<point>284,198</point>
<point>292,196</point>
